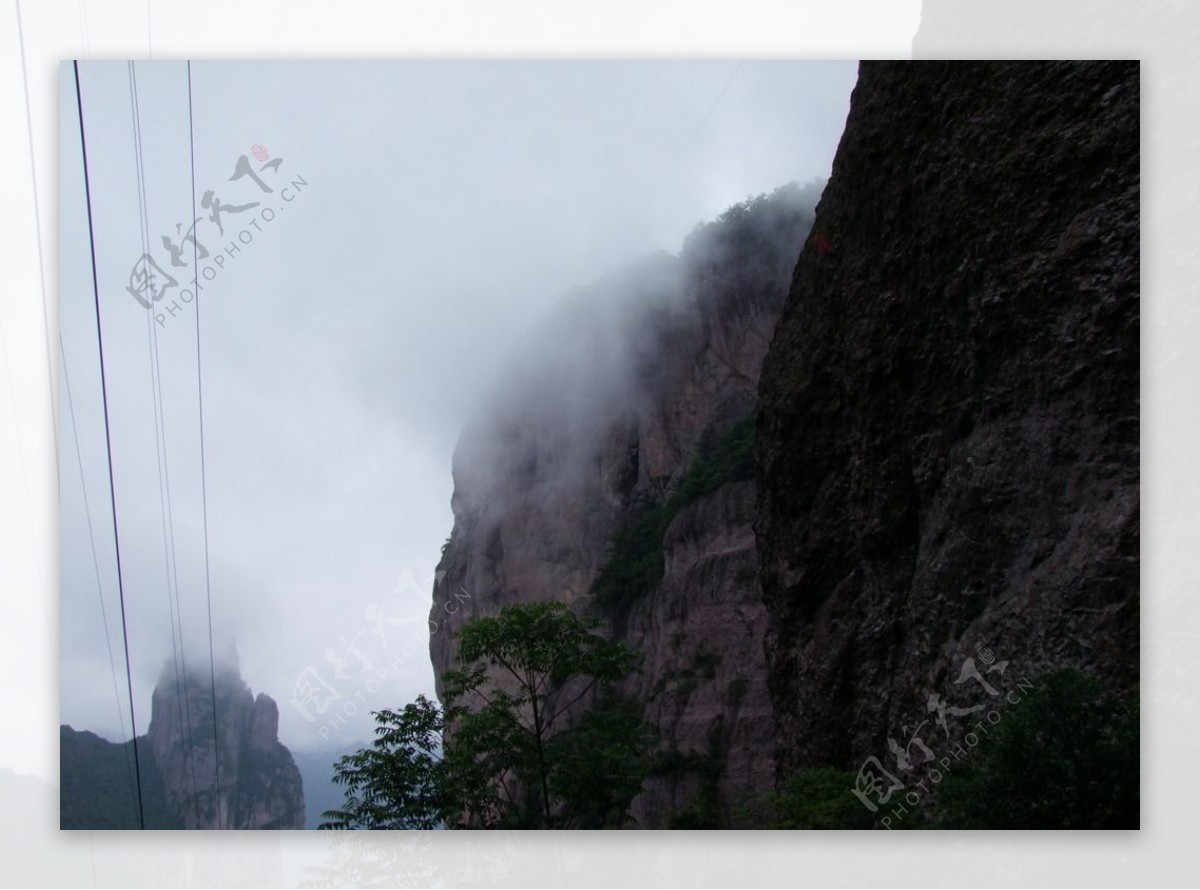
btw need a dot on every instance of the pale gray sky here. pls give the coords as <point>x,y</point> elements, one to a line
<point>445,207</point>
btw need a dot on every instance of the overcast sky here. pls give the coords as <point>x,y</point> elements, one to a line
<point>420,217</point>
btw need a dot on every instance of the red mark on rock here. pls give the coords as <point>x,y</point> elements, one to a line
<point>822,243</point>
<point>260,152</point>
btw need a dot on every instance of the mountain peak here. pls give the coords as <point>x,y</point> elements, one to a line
<point>210,759</point>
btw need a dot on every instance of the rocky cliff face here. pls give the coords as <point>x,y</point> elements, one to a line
<point>948,426</point>
<point>257,785</point>
<point>613,400</point>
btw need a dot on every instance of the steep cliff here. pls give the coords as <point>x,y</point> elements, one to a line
<point>948,426</point>
<point>257,785</point>
<point>615,457</point>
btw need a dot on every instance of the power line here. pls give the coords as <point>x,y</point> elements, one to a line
<point>83,31</point>
<point>87,511</point>
<point>112,491</point>
<point>704,120</point>
<point>166,508</point>
<point>203,474</point>
<point>37,221</point>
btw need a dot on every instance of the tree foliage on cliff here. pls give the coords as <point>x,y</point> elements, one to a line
<point>635,562</point>
<point>814,798</point>
<point>756,234</point>
<point>1067,756</point>
<point>510,749</point>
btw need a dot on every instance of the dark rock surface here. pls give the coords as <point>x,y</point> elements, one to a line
<point>97,789</point>
<point>948,434</point>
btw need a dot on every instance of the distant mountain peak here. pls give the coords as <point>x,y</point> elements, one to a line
<point>200,766</point>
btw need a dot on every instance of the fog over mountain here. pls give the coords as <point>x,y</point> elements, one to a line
<point>424,221</point>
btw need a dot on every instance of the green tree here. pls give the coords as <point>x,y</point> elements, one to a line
<point>511,748</point>
<point>399,782</point>
<point>635,565</point>
<point>1065,756</point>
<point>812,798</point>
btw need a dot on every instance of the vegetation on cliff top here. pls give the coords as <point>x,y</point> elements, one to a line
<point>763,230</point>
